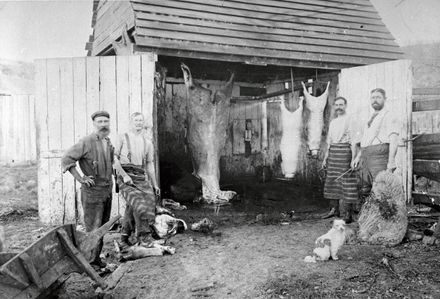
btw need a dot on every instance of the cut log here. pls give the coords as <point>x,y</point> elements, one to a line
<point>383,217</point>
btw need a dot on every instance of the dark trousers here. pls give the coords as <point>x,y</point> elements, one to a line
<point>97,205</point>
<point>374,159</point>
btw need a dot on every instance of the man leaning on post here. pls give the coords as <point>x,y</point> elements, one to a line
<point>94,154</point>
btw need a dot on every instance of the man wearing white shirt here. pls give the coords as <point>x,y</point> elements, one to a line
<point>378,143</point>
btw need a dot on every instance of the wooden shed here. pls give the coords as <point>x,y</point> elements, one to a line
<point>268,44</point>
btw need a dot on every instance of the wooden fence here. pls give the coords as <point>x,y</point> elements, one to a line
<point>17,129</point>
<point>68,91</point>
<point>426,110</point>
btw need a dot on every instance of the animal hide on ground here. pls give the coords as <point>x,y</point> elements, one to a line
<point>383,217</point>
<point>290,145</point>
<point>208,113</point>
<point>315,124</point>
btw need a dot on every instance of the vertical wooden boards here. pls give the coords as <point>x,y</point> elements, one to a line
<point>42,140</point>
<point>66,104</point>
<point>396,78</point>
<point>68,91</point>
<point>56,199</point>
<point>92,92</point>
<point>122,93</point>
<point>135,87</point>
<point>81,118</point>
<point>148,69</point>
<point>108,102</point>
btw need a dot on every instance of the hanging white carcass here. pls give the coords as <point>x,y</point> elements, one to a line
<point>290,144</point>
<point>208,113</point>
<point>315,124</point>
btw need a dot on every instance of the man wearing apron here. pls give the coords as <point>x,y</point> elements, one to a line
<point>378,144</point>
<point>340,186</point>
<point>134,163</point>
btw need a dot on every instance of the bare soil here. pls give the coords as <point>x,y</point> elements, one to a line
<point>243,258</point>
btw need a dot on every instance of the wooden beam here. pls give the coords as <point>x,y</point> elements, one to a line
<point>426,105</point>
<point>426,91</point>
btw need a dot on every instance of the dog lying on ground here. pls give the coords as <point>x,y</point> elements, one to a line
<point>329,243</point>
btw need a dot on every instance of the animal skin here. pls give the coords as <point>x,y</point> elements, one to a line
<point>208,113</point>
<point>316,105</point>
<point>329,243</point>
<point>291,139</point>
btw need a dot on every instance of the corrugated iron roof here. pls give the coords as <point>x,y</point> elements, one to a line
<point>326,33</point>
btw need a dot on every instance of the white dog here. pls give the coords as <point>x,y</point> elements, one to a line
<point>329,243</point>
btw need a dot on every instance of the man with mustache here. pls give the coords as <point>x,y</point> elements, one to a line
<point>378,143</point>
<point>134,163</point>
<point>341,184</point>
<point>94,154</point>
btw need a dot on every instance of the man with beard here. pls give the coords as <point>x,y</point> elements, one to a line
<point>134,163</point>
<point>378,143</point>
<point>94,154</point>
<point>341,184</point>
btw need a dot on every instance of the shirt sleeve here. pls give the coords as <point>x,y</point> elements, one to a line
<point>150,152</point>
<point>393,126</point>
<point>118,145</point>
<point>72,155</point>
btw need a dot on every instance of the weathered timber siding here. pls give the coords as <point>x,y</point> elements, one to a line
<point>17,129</point>
<point>68,91</point>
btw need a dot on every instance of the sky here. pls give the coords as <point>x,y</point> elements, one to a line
<point>60,28</point>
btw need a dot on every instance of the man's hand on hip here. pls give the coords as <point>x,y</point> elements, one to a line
<point>88,181</point>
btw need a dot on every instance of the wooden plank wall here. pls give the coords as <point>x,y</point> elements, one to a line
<point>17,129</point>
<point>395,77</point>
<point>426,96</point>
<point>68,91</point>
<point>338,33</point>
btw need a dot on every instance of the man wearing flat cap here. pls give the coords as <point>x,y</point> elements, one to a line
<point>94,154</point>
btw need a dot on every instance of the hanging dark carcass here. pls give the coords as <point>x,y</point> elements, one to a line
<point>290,145</point>
<point>316,105</point>
<point>208,113</point>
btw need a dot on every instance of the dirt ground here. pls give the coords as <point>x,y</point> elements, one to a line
<point>243,257</point>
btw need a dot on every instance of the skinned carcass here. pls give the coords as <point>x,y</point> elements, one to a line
<point>316,105</point>
<point>208,113</point>
<point>290,145</point>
